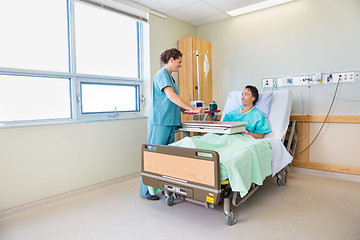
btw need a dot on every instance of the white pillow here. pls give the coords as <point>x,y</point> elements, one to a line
<point>264,101</point>
<point>280,111</point>
<point>234,101</point>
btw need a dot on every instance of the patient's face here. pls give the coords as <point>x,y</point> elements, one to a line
<point>247,98</point>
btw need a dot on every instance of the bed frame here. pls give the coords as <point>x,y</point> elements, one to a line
<point>194,174</point>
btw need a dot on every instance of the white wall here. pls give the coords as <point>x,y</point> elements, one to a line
<point>301,37</point>
<point>164,33</point>
<point>42,161</point>
<point>304,36</point>
<point>38,162</point>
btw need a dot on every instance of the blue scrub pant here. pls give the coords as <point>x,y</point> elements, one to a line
<point>161,135</point>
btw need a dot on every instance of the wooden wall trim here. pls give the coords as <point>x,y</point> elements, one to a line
<point>321,118</point>
<point>327,167</point>
<point>303,160</point>
<point>303,142</point>
<point>331,118</point>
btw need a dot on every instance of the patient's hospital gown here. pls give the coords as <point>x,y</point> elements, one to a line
<point>256,119</point>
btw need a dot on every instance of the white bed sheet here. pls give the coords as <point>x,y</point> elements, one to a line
<point>281,157</point>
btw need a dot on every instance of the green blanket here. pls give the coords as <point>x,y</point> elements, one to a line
<point>243,160</point>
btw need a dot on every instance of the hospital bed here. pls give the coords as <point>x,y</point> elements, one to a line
<point>194,174</point>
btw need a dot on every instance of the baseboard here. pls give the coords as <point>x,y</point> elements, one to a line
<point>57,198</point>
<point>334,175</point>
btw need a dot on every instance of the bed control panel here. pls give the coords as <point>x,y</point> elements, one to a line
<point>179,190</point>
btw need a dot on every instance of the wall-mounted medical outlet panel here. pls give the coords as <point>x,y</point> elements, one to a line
<point>327,78</point>
<point>344,77</point>
<point>290,81</point>
<point>316,78</point>
<point>281,81</point>
<point>311,79</point>
<point>356,76</point>
<point>268,82</point>
<point>297,81</point>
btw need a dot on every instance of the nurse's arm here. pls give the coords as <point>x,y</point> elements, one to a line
<point>169,91</point>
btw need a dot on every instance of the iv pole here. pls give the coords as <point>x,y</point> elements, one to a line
<point>197,69</point>
<point>198,53</point>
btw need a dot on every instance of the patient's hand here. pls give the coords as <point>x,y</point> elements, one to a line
<point>255,135</point>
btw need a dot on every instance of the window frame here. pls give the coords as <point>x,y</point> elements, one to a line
<point>103,116</point>
<point>76,79</point>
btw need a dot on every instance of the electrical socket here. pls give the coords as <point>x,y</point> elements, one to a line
<point>348,77</point>
<point>344,76</point>
<point>357,76</point>
<point>268,82</point>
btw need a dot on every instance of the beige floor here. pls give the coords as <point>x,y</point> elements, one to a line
<point>308,207</point>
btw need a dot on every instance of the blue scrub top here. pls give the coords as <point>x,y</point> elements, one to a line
<point>256,119</point>
<point>163,111</point>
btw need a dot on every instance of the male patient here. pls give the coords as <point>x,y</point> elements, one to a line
<point>257,123</point>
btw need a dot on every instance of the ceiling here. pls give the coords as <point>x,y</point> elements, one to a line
<point>196,12</point>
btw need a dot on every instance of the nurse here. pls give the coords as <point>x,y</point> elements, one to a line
<point>257,123</point>
<point>165,107</point>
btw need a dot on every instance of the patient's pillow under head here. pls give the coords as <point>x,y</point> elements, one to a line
<point>264,102</point>
<point>234,101</point>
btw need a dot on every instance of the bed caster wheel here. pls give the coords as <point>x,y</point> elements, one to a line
<point>279,182</point>
<point>230,219</point>
<point>282,177</point>
<point>170,200</point>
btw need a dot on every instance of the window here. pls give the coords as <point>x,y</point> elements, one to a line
<point>69,60</point>
<point>35,35</point>
<point>109,98</point>
<point>45,98</point>
<point>100,47</point>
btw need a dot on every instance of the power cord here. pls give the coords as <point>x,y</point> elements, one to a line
<point>303,115</point>
<point>327,115</point>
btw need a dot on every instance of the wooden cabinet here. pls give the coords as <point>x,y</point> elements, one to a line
<point>188,82</point>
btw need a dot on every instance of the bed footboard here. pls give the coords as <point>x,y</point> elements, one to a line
<point>188,172</point>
